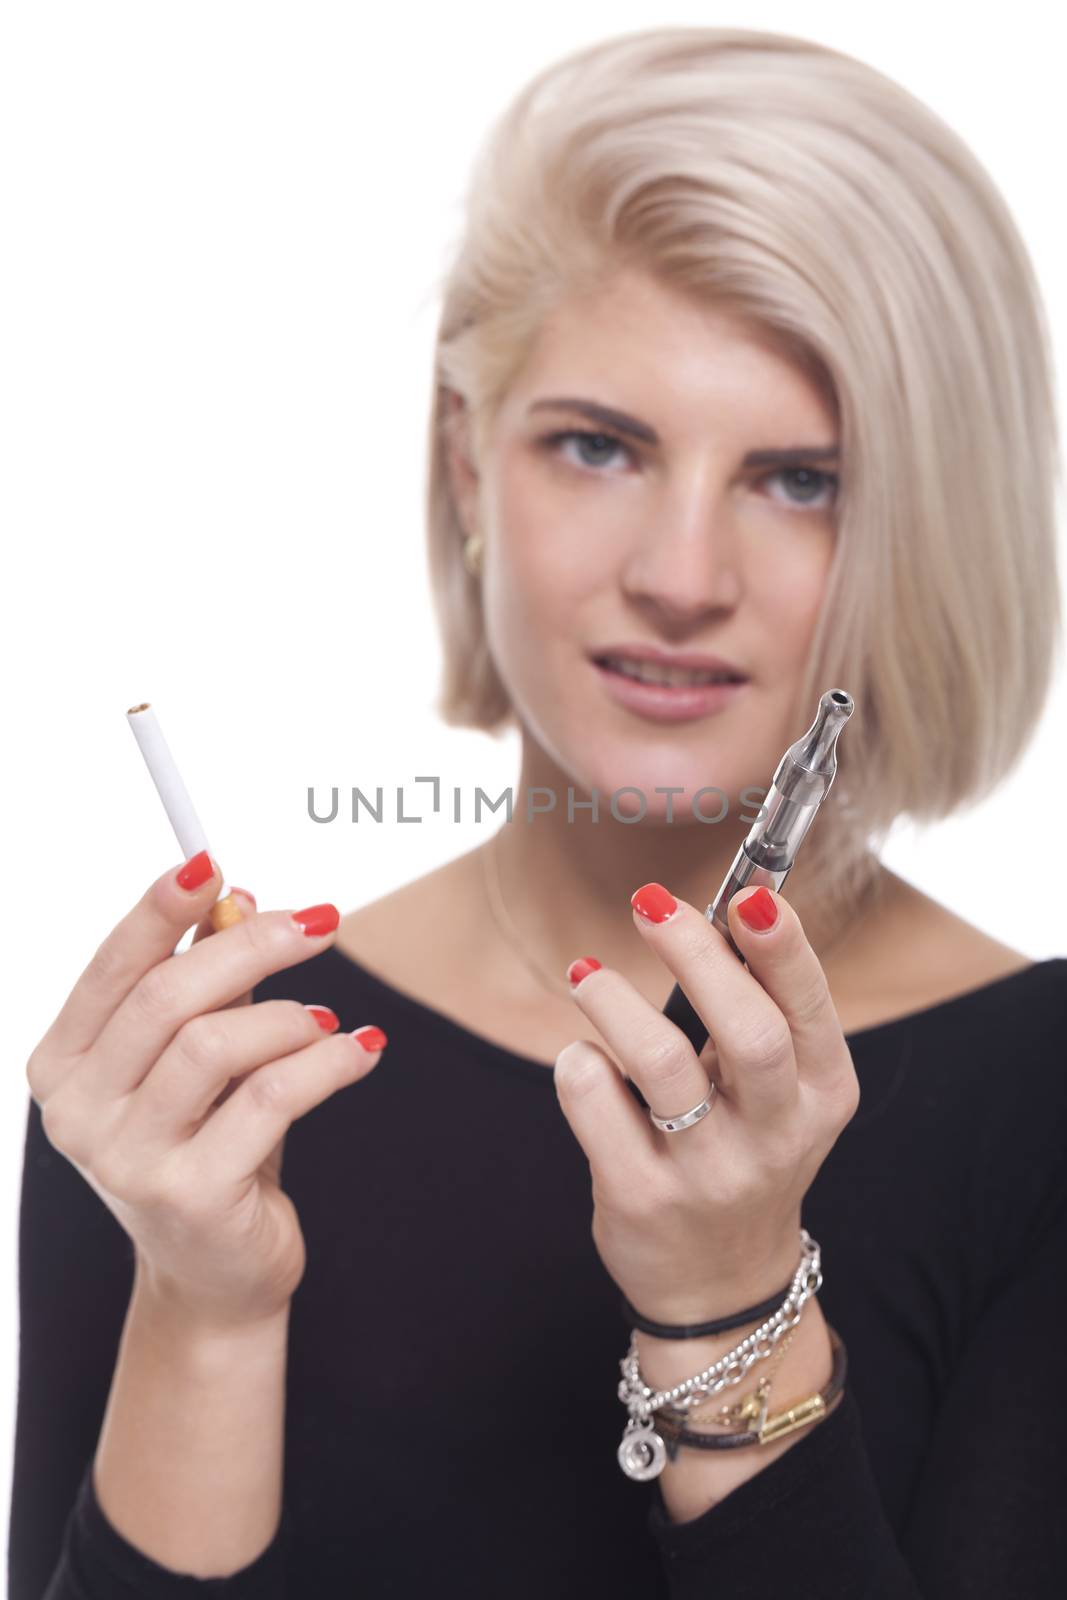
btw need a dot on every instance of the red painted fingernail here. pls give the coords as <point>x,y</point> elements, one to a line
<point>371,1038</point>
<point>758,911</point>
<point>326,1019</point>
<point>246,892</point>
<point>581,969</point>
<point>317,920</point>
<point>653,902</point>
<point>196,871</point>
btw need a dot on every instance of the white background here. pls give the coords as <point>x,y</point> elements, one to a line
<point>223,228</point>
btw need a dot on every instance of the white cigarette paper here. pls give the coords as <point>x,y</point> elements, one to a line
<point>168,780</point>
<point>176,802</point>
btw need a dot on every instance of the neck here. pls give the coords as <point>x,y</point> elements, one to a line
<point>567,884</point>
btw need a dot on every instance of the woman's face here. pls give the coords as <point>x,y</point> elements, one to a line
<point>682,540</point>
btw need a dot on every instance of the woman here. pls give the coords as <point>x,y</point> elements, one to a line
<point>740,358</point>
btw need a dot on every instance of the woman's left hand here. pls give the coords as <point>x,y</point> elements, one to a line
<point>700,1223</point>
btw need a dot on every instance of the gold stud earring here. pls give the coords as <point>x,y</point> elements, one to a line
<point>472,554</point>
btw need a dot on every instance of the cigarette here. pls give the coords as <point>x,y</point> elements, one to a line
<point>176,803</point>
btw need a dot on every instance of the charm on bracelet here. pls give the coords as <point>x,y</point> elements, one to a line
<point>642,1454</point>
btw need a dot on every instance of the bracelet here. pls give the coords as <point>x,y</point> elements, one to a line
<point>750,1407</point>
<point>642,1454</point>
<point>816,1408</point>
<point>702,1330</point>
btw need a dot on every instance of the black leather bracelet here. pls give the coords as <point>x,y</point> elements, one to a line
<point>816,1408</point>
<point>703,1330</point>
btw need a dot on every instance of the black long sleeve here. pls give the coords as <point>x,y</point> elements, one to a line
<point>75,1281</point>
<point>97,1563</point>
<point>451,1416</point>
<point>983,1520</point>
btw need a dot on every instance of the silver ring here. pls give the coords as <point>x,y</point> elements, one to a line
<point>687,1119</point>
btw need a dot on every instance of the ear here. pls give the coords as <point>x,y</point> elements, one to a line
<point>459,456</point>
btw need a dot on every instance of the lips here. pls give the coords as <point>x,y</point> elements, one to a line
<point>682,661</point>
<point>663,677</point>
<point>681,671</point>
<point>665,702</point>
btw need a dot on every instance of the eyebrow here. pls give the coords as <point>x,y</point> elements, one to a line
<point>622,423</point>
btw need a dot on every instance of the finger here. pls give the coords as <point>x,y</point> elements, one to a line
<point>146,935</point>
<point>651,1050</point>
<point>756,1066</point>
<point>240,1135</point>
<point>616,1135</point>
<point>245,900</point>
<point>208,975</point>
<point>209,1051</point>
<point>790,973</point>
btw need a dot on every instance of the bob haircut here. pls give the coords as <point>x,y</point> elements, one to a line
<point>795,185</point>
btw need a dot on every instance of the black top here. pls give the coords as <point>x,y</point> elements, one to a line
<point>452,1417</point>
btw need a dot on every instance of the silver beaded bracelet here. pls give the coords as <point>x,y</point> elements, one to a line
<point>642,1453</point>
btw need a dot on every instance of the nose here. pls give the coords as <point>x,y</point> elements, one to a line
<point>685,564</point>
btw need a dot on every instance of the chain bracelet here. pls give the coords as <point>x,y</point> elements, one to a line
<point>744,1410</point>
<point>642,1453</point>
<point>641,1401</point>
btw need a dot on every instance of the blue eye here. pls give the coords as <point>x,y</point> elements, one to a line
<point>811,483</point>
<point>555,440</point>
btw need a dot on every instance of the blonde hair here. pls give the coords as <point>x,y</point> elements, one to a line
<point>796,185</point>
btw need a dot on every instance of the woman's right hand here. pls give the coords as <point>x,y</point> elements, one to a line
<point>172,1094</point>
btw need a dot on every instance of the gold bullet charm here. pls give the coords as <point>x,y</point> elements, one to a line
<point>794,1417</point>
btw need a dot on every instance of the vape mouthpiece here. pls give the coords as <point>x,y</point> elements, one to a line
<point>807,769</point>
<point>816,750</point>
<point>797,790</point>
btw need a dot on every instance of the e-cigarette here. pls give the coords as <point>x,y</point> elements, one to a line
<point>769,850</point>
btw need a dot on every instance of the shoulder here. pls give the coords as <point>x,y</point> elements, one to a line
<point>1022,994</point>
<point>939,954</point>
<point>936,928</point>
<point>1028,994</point>
<point>914,955</point>
<point>986,1006</point>
<point>981,1077</point>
